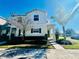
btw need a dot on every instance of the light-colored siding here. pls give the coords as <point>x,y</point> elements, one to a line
<point>29,23</point>
<point>37,24</point>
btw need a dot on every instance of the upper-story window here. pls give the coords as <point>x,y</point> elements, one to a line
<point>36,17</point>
<point>20,19</point>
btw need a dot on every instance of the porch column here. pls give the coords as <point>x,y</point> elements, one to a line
<point>10,33</point>
<point>17,31</point>
<point>54,34</point>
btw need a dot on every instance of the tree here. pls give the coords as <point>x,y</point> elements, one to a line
<point>21,23</point>
<point>57,34</point>
<point>62,17</point>
<point>70,32</point>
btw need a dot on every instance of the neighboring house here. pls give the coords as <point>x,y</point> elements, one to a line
<point>2,21</point>
<point>2,24</point>
<point>34,24</point>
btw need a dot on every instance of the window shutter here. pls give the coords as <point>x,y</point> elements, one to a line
<point>39,30</point>
<point>31,30</point>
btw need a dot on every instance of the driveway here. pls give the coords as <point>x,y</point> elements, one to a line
<point>62,54</point>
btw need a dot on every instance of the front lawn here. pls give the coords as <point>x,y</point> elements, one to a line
<point>61,37</point>
<point>75,44</point>
<point>26,46</point>
<point>50,47</point>
<point>71,46</point>
<point>6,46</point>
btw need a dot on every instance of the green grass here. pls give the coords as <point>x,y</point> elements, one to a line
<point>50,47</point>
<point>75,45</point>
<point>25,46</point>
<point>5,46</point>
<point>71,46</point>
<point>37,46</point>
<point>61,37</point>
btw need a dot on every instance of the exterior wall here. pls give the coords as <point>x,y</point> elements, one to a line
<point>29,23</point>
<point>43,30</point>
<point>36,24</point>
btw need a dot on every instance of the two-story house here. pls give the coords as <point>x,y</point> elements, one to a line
<point>33,25</point>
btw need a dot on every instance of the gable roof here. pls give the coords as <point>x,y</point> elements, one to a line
<point>29,12</point>
<point>2,21</point>
<point>36,10</point>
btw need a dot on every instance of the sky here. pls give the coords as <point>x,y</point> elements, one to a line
<point>7,7</point>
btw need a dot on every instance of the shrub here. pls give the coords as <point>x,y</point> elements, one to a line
<point>63,42</point>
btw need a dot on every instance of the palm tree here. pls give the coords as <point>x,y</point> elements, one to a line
<point>63,17</point>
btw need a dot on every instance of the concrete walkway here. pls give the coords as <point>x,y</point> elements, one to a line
<point>59,53</point>
<point>57,46</point>
<point>52,42</point>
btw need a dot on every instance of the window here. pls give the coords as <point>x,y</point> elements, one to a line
<point>36,17</point>
<point>13,31</point>
<point>36,30</point>
<point>7,30</point>
<point>19,33</point>
<point>20,19</point>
